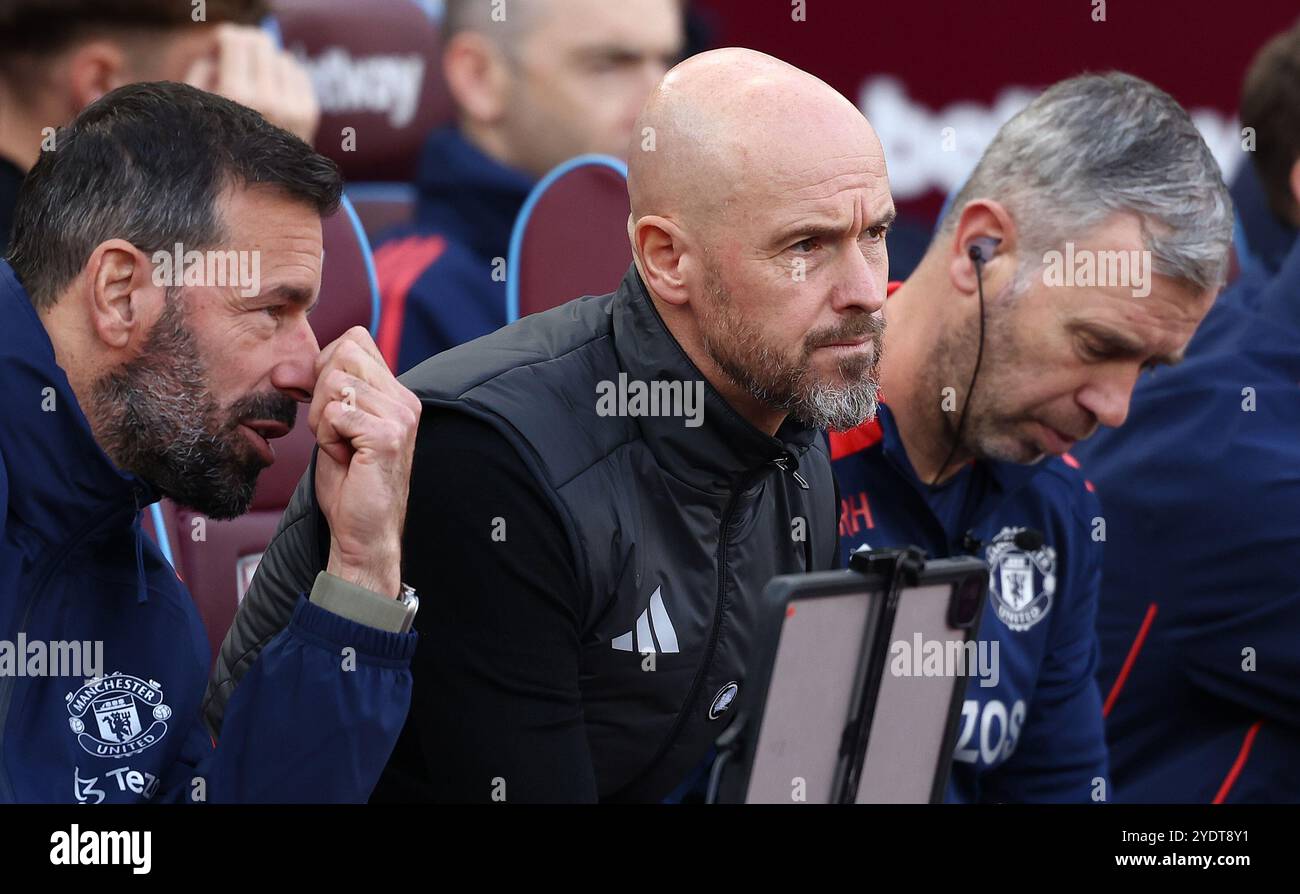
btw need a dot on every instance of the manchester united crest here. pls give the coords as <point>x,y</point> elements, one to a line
<point>1021,582</point>
<point>118,715</point>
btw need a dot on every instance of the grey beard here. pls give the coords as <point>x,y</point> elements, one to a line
<point>770,380</point>
<point>837,409</point>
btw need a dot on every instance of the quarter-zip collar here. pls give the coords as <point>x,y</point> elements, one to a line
<point>723,449</point>
<point>1007,477</point>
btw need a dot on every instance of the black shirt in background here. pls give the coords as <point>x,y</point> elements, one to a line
<point>11,178</point>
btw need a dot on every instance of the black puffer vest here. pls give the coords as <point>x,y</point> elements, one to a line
<point>675,528</point>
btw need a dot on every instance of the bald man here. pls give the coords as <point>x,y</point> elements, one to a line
<point>601,491</point>
<point>535,83</point>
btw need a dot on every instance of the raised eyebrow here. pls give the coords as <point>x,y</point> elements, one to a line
<point>885,220</point>
<point>823,229</point>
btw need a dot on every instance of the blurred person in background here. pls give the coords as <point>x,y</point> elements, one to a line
<point>552,80</point>
<point>1266,191</point>
<point>1200,604</point>
<point>61,55</point>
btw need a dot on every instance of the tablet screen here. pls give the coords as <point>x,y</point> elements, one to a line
<point>926,662</point>
<point>808,702</point>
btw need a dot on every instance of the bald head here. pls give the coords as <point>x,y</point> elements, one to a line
<point>760,204</point>
<point>727,128</point>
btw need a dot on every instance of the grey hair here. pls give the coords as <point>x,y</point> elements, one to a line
<point>1096,145</point>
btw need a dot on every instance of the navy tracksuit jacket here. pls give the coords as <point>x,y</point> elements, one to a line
<point>1200,607</point>
<point>1037,734</point>
<point>442,277</point>
<point>75,567</point>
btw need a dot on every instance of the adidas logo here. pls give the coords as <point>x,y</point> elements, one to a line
<point>652,628</point>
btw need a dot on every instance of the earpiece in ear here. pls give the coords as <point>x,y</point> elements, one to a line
<point>981,250</point>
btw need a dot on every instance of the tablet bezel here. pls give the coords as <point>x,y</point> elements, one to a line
<point>740,743</point>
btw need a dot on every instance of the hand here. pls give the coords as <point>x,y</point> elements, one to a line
<point>250,69</point>
<point>365,422</point>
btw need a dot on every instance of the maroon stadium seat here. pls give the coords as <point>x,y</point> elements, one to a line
<point>217,569</point>
<point>377,69</point>
<point>382,206</point>
<point>570,238</point>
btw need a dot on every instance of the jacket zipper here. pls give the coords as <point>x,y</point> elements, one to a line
<point>780,463</point>
<point>7,683</point>
<point>684,715</point>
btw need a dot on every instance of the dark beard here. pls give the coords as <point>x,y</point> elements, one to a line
<point>740,352</point>
<point>155,417</point>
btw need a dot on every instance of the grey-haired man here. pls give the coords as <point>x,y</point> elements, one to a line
<point>1085,248</point>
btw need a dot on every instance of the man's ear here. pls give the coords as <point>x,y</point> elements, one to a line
<point>122,298</point>
<point>93,69</point>
<point>660,248</point>
<point>986,223</point>
<point>477,75</point>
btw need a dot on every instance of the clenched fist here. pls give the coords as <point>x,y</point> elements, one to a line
<point>365,422</point>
